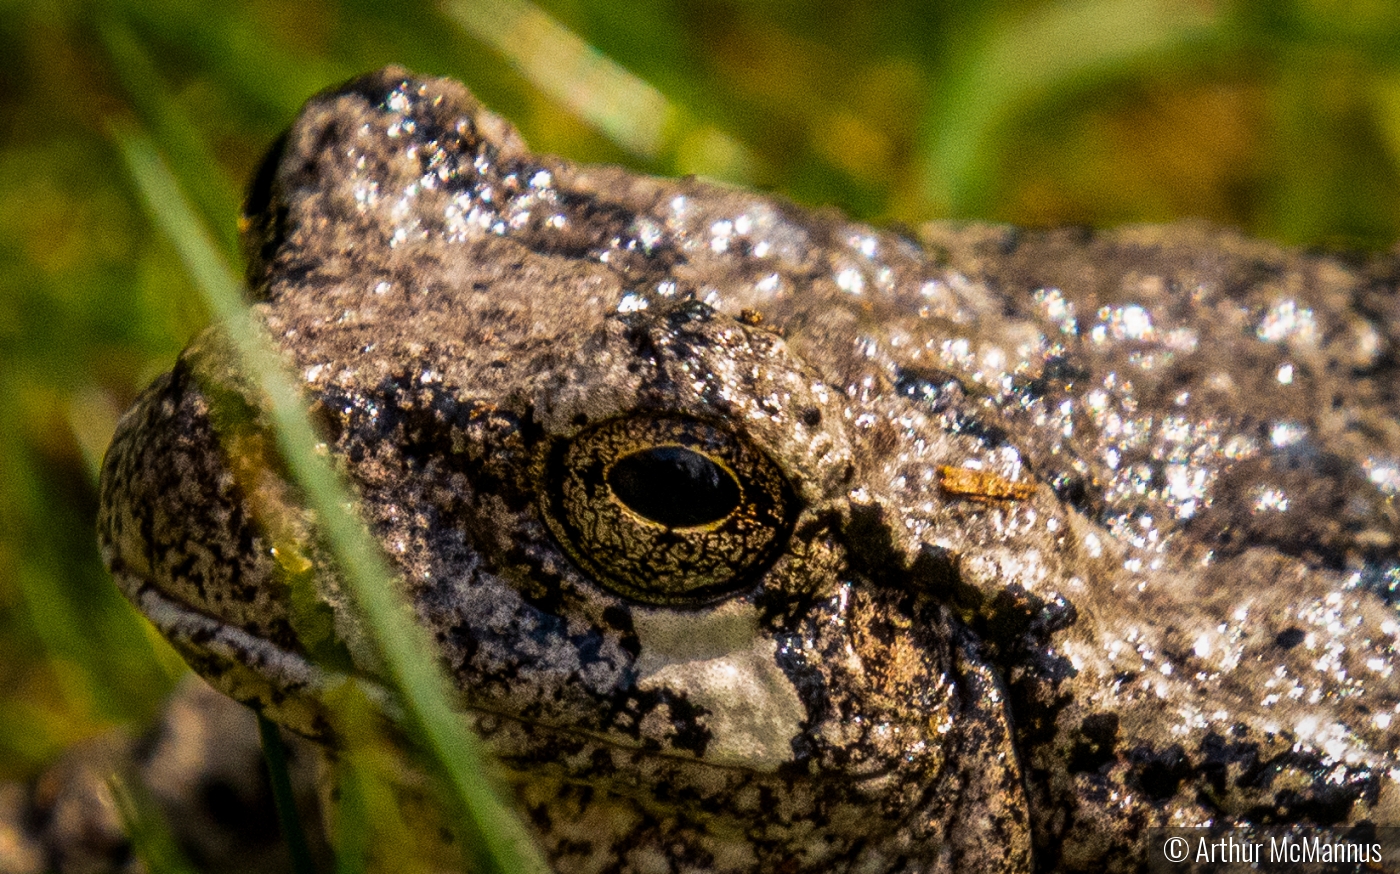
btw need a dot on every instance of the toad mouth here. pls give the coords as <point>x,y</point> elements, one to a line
<point>288,674</point>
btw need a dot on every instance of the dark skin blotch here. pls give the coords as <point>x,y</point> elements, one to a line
<point>1290,637</point>
<point>1158,774</point>
<point>619,619</point>
<point>870,547</point>
<point>1095,748</point>
<point>1219,757</point>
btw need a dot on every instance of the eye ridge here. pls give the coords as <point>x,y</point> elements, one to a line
<point>666,509</point>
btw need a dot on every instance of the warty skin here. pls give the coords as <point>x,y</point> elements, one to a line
<point>1074,535</point>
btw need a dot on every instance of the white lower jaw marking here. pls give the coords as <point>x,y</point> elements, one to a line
<point>720,660</point>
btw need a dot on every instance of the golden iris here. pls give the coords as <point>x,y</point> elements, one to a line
<point>667,509</point>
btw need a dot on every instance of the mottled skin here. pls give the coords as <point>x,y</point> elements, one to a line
<point>1180,610</point>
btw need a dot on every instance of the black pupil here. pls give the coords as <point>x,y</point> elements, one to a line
<point>673,486</point>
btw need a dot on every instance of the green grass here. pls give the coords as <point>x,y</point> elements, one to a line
<point>1282,118</point>
<point>291,821</point>
<point>492,837</point>
<point>150,837</point>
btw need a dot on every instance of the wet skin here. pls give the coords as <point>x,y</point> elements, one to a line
<point>756,539</point>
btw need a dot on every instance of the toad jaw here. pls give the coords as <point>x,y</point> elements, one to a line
<point>718,660</point>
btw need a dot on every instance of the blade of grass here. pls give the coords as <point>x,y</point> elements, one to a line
<point>353,831</point>
<point>275,754</point>
<point>232,47</point>
<point>493,835</point>
<point>627,110</point>
<point>624,107</point>
<point>146,827</point>
<point>216,198</point>
<point>1028,58</point>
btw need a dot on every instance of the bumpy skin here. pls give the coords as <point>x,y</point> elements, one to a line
<point>1189,617</point>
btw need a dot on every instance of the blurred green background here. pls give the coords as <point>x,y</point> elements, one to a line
<point>1280,117</point>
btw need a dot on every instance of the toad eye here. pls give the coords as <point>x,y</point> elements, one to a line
<point>674,486</point>
<point>667,509</point>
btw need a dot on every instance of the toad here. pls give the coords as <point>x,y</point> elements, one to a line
<point>757,539</point>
